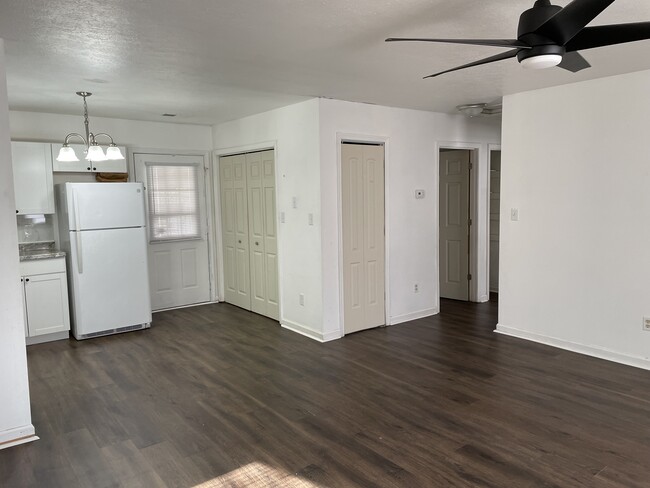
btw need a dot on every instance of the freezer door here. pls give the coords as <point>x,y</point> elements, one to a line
<point>110,280</point>
<point>105,205</point>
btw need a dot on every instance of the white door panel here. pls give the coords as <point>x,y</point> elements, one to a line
<point>103,298</point>
<point>234,212</point>
<point>362,186</point>
<point>454,224</point>
<point>178,269</point>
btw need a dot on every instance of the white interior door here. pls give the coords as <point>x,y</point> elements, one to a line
<point>234,222</point>
<point>362,185</point>
<point>178,237</point>
<point>454,224</point>
<point>495,213</point>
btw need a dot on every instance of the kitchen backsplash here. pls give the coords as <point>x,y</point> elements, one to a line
<point>35,228</point>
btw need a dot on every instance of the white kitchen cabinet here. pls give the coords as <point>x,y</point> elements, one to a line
<point>85,166</point>
<point>45,293</point>
<point>33,187</point>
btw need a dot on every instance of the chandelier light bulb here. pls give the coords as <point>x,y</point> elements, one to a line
<point>67,154</point>
<point>95,153</point>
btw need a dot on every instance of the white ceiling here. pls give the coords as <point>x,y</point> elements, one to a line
<point>215,60</point>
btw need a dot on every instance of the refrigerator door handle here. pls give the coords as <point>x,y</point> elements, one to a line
<point>75,206</point>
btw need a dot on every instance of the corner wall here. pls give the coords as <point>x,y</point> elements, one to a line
<point>412,140</point>
<point>293,130</point>
<point>15,415</point>
<point>574,269</point>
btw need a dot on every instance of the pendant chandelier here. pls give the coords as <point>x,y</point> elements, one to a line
<point>93,150</point>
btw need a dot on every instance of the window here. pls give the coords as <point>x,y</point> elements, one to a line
<point>173,202</point>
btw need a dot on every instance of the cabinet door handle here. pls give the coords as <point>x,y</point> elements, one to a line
<point>94,169</point>
<point>88,168</point>
<point>22,279</point>
<point>26,279</point>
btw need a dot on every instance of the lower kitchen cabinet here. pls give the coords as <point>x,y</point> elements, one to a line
<point>45,292</point>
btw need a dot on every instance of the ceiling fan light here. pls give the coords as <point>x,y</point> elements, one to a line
<point>67,154</point>
<point>542,61</point>
<point>95,153</point>
<point>113,153</point>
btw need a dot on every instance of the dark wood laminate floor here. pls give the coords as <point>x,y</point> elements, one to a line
<point>215,396</point>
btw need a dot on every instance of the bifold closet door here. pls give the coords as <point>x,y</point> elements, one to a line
<point>234,221</point>
<point>263,243</point>
<point>250,232</point>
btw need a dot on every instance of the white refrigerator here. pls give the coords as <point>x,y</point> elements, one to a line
<point>103,231</point>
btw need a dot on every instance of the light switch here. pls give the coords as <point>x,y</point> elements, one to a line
<point>282,219</point>
<point>294,202</point>
<point>311,219</point>
<point>514,214</point>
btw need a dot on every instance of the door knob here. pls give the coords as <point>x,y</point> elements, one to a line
<point>257,243</point>
<point>239,241</point>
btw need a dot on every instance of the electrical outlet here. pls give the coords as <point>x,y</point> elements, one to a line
<point>282,218</point>
<point>310,219</point>
<point>416,288</point>
<point>301,299</point>
<point>294,202</point>
<point>646,324</point>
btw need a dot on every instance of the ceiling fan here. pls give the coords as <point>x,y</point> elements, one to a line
<point>549,35</point>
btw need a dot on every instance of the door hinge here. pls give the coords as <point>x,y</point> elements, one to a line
<point>470,221</point>
<point>469,277</point>
<point>471,166</point>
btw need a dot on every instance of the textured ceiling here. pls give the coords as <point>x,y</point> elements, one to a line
<point>215,60</point>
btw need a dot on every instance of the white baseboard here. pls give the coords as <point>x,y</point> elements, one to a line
<point>597,352</point>
<point>302,330</point>
<point>17,436</point>
<point>400,319</point>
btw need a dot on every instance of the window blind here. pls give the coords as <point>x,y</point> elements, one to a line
<point>173,193</point>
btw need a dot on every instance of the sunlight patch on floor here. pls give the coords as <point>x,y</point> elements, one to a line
<point>258,475</point>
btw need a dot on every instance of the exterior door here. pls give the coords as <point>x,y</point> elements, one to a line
<point>250,248</point>
<point>362,184</point>
<point>454,224</point>
<point>178,237</point>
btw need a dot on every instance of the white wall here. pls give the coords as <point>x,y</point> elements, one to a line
<point>293,130</point>
<point>574,269</point>
<point>33,126</point>
<point>412,140</point>
<point>15,415</point>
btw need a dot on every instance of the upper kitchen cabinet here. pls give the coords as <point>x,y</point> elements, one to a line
<point>32,165</point>
<point>85,166</point>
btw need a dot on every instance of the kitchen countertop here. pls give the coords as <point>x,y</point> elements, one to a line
<point>34,255</point>
<point>33,251</point>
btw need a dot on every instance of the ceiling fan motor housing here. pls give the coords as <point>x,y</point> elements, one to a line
<point>529,22</point>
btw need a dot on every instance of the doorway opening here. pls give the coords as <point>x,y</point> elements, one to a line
<point>363,235</point>
<point>495,215</point>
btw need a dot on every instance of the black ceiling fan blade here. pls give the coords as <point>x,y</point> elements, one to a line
<point>491,59</point>
<point>574,62</point>
<point>569,21</point>
<point>471,42</point>
<point>608,35</point>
